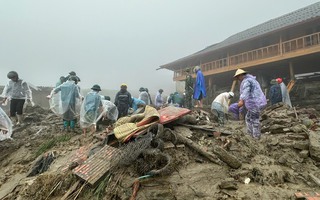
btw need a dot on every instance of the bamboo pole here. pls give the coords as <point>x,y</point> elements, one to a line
<point>232,88</point>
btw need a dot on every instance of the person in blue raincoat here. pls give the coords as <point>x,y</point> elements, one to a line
<point>91,110</point>
<point>137,103</point>
<point>69,94</point>
<point>199,87</point>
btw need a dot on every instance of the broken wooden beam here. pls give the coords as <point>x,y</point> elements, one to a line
<point>226,157</point>
<point>197,148</point>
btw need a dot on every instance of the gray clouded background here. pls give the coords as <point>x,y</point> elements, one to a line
<point>110,42</point>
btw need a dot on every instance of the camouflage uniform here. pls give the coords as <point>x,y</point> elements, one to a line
<point>188,91</point>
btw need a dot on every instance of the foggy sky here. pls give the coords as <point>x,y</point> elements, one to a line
<point>109,42</point>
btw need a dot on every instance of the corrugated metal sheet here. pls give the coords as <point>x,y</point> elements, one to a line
<point>96,166</point>
<point>290,19</point>
<point>170,113</point>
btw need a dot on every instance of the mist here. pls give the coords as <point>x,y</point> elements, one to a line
<point>110,42</point>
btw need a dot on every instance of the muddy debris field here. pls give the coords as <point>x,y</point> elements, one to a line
<point>189,158</point>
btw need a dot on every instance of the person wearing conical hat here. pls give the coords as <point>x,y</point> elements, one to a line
<point>252,97</point>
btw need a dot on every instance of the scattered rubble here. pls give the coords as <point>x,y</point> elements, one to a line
<point>190,157</point>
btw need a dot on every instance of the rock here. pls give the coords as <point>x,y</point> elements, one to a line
<point>314,147</point>
<point>283,159</point>
<point>302,145</point>
<point>307,122</point>
<point>274,141</point>
<point>228,185</point>
<point>299,128</point>
<point>304,154</point>
<point>277,127</point>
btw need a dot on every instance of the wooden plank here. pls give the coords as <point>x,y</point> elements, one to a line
<point>96,166</point>
<point>71,190</point>
<point>232,89</point>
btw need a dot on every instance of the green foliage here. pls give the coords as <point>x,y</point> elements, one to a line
<point>51,143</point>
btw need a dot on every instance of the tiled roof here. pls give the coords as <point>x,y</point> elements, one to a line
<point>304,14</point>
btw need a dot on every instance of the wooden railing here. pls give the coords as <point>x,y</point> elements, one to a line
<point>261,53</point>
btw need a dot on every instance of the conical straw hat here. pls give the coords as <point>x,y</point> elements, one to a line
<point>238,72</point>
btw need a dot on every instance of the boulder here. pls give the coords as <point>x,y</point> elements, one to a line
<point>314,145</point>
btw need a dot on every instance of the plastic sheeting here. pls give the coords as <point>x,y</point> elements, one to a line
<point>91,109</point>
<point>17,90</point>
<point>65,100</point>
<point>110,110</point>
<point>5,126</point>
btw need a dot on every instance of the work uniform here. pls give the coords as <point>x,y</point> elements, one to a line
<point>123,101</point>
<point>188,91</point>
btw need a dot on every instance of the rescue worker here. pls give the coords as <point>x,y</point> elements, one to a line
<point>176,100</point>
<point>188,90</point>
<point>123,101</point>
<point>199,87</point>
<point>91,109</point>
<point>219,106</point>
<point>284,93</point>
<point>237,113</point>
<point>252,97</point>
<point>70,99</point>
<point>17,92</point>
<point>62,79</point>
<point>159,102</point>
<point>137,103</point>
<point>275,95</point>
<point>144,96</point>
<point>72,73</point>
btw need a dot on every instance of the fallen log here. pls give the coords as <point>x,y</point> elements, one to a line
<point>203,128</point>
<point>229,159</point>
<point>222,154</point>
<point>197,148</point>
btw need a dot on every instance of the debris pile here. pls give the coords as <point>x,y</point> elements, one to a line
<point>186,156</point>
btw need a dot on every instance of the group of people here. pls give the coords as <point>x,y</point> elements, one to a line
<point>66,100</point>
<point>279,92</point>
<point>251,101</point>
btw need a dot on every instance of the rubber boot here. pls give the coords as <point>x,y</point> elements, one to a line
<point>72,125</point>
<point>19,119</point>
<point>65,125</point>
